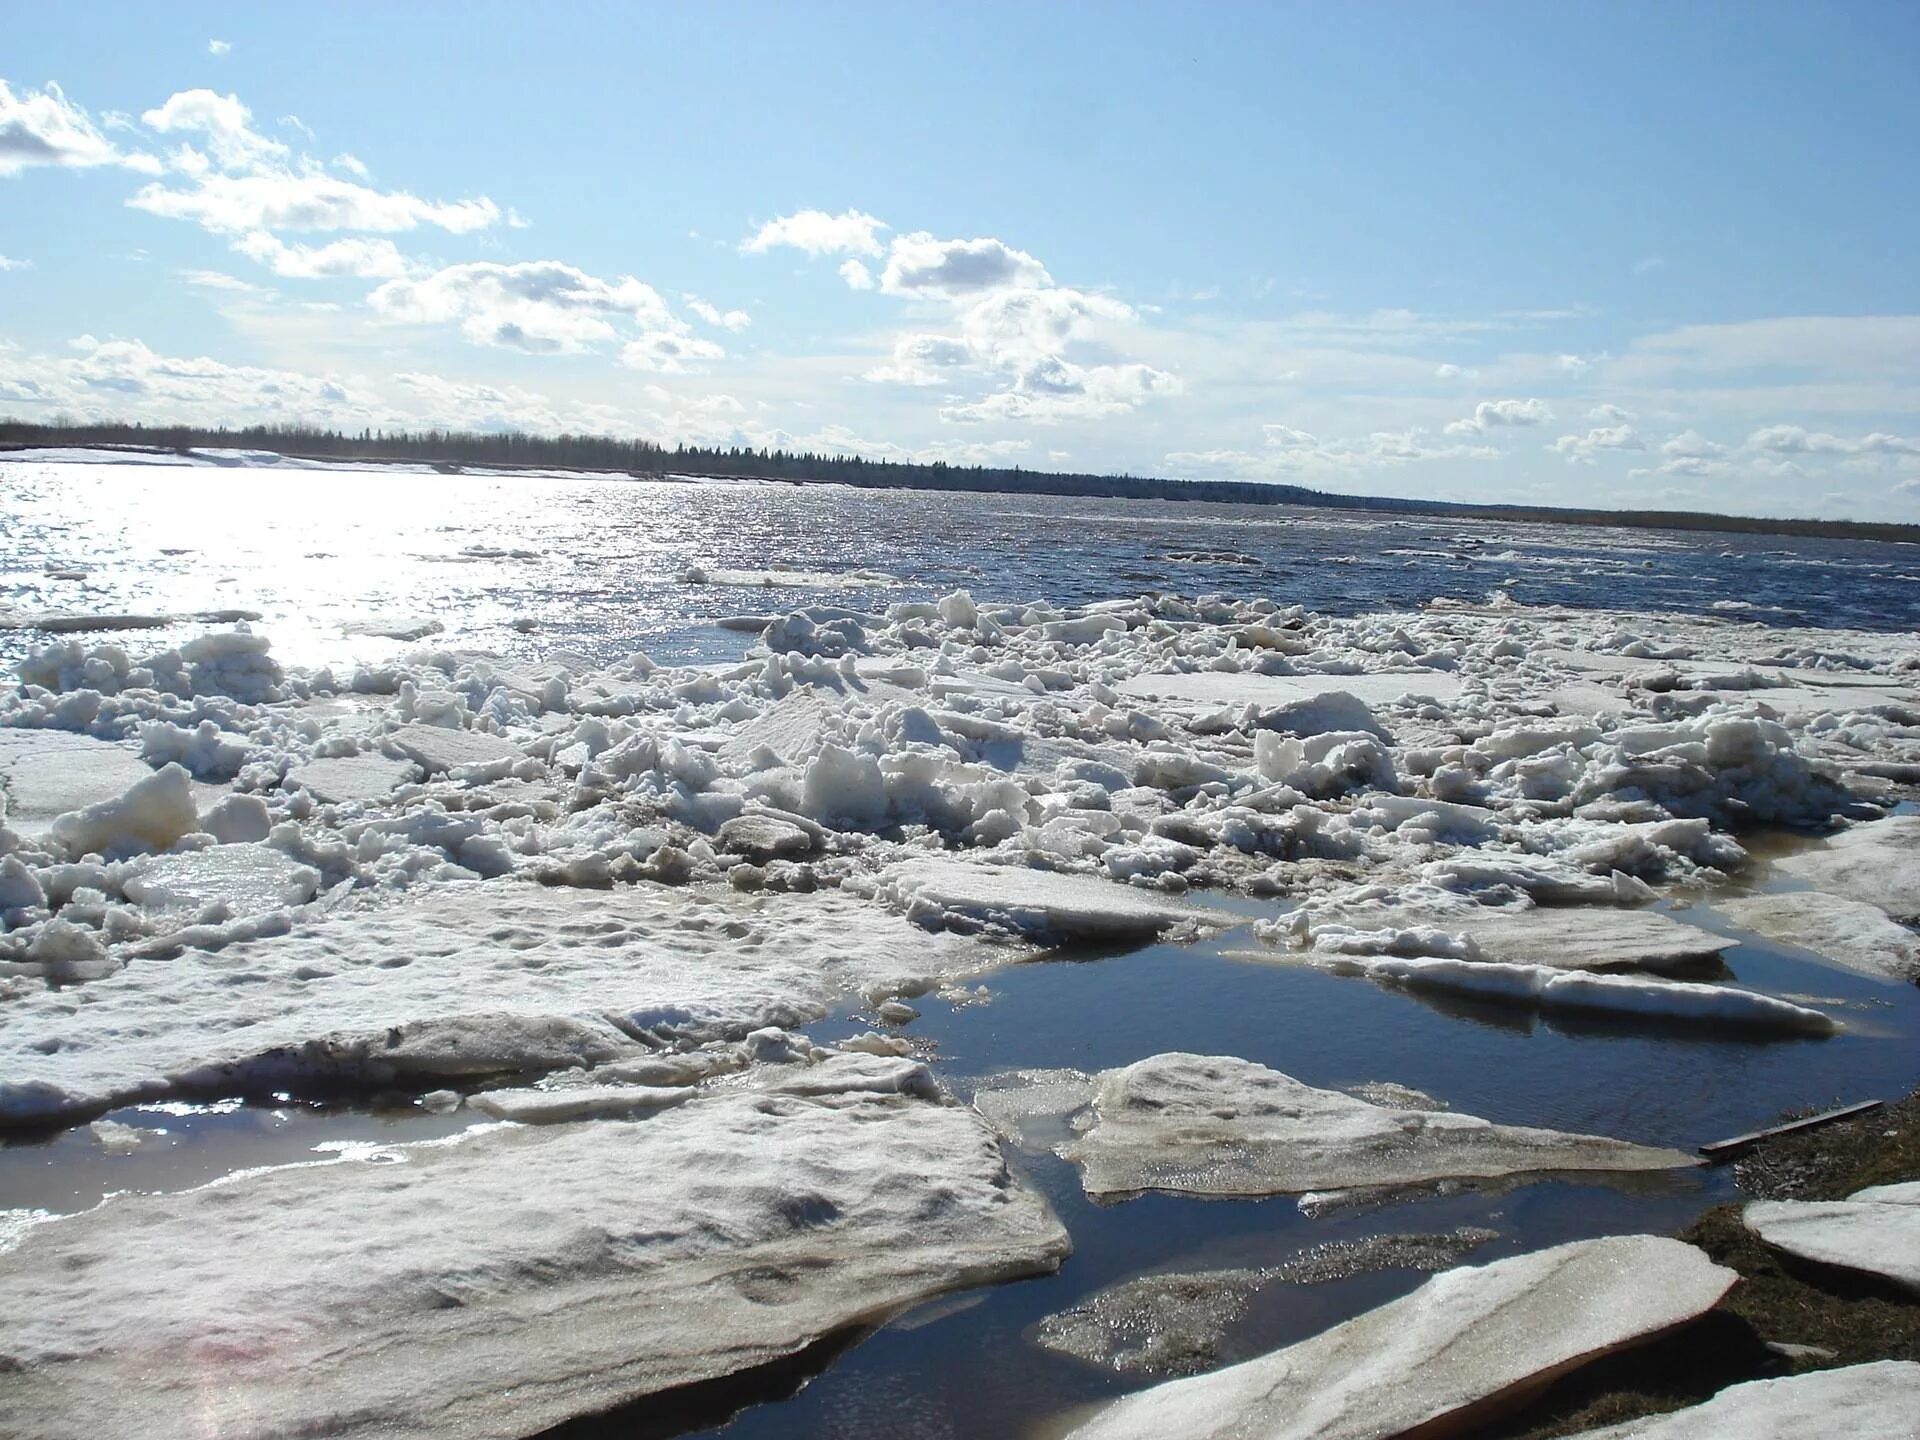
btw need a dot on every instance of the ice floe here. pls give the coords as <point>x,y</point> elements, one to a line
<point>1878,863</point>
<point>1850,933</point>
<point>523,1274</point>
<point>1863,1402</point>
<point>1470,1339</point>
<point>1876,1231</point>
<point>1219,1125</point>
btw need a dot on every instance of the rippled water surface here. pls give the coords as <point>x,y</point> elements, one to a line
<point>524,564</point>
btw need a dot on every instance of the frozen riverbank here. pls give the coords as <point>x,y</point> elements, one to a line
<point>605,908</point>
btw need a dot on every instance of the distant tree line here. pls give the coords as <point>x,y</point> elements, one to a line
<point>645,459</point>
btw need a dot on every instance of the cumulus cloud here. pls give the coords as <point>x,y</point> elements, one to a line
<point>218,47</point>
<point>818,233</point>
<point>238,180</point>
<point>546,307</point>
<point>920,265</point>
<point>7,264</point>
<point>1493,414</point>
<point>1608,414</point>
<point>43,127</point>
<point>1582,449</point>
<point>857,276</point>
<point>543,306</point>
<point>224,125</point>
<point>376,259</point>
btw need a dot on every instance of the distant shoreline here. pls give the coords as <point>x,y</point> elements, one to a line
<point>456,453</point>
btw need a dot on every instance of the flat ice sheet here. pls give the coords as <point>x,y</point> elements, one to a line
<point>1862,1402</point>
<point>45,773</point>
<point>1877,862</point>
<point>501,1282</point>
<point>1464,1339</point>
<point>1219,1125</point>
<point>485,978</point>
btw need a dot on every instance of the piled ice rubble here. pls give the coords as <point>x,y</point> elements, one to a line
<point>986,767</point>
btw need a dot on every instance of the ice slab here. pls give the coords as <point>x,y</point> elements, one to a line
<point>1880,1401</point>
<point>45,773</point>
<point>1845,932</point>
<point>1877,1235</point>
<point>501,1282</point>
<point>1546,988</point>
<point>1219,1125</point>
<point>1465,1343</point>
<point>481,979</point>
<point>1564,939</point>
<point>438,750</point>
<point>1040,904</point>
<point>1878,862</point>
<point>247,878</point>
<point>343,778</point>
<point>1238,688</point>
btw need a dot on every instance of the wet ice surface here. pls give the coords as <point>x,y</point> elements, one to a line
<point>801,841</point>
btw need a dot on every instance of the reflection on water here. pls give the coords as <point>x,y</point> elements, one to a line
<point>523,565</point>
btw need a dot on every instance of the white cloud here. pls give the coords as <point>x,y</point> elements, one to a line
<point>43,127</point>
<point>920,265</point>
<point>225,124</point>
<point>921,360</point>
<point>244,181</point>
<point>220,280</point>
<point>1493,414</point>
<point>668,351</point>
<point>234,204</point>
<point>1796,440</point>
<point>7,264</point>
<point>546,307</point>
<point>1291,451</point>
<point>218,47</point>
<point>1872,345</point>
<point>1609,414</point>
<point>1692,445</point>
<point>857,276</point>
<point>818,233</point>
<point>1581,449</point>
<point>368,259</point>
<point>1446,372</point>
<point>294,122</point>
<point>734,320</point>
<point>354,166</point>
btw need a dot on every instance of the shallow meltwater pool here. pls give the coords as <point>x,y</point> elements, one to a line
<point>970,1366</point>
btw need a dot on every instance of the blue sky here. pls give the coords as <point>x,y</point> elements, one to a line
<point>1617,254</point>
